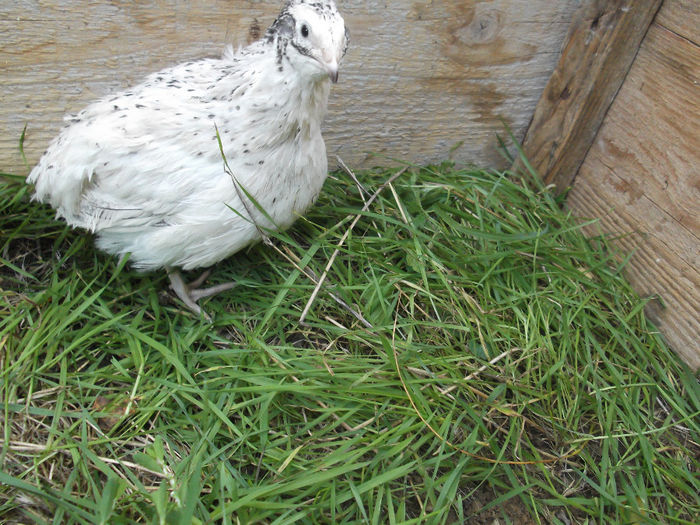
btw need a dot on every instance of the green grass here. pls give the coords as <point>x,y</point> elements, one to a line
<point>527,371</point>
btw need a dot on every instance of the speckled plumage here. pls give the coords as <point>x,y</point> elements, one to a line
<point>143,169</point>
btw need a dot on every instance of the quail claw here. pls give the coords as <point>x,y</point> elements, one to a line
<point>191,293</point>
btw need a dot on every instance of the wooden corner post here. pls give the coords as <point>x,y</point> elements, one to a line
<point>598,51</point>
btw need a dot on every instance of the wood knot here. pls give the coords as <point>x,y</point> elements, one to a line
<point>482,28</point>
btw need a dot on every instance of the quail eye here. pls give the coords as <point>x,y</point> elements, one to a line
<point>304,30</point>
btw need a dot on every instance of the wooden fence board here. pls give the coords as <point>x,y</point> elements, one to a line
<point>642,175</point>
<point>419,78</point>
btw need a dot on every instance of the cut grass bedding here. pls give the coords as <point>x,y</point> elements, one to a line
<point>467,340</point>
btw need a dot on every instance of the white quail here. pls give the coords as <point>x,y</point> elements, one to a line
<point>143,170</point>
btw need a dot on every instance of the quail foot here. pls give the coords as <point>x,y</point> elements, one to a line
<point>143,169</point>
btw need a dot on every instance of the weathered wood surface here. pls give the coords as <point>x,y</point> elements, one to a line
<point>682,17</point>
<point>642,174</point>
<point>420,76</point>
<point>598,52</point>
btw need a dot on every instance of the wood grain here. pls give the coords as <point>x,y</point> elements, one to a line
<point>682,17</point>
<point>420,76</point>
<point>642,177</point>
<point>599,49</point>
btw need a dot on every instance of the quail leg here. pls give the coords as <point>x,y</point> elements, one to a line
<point>191,293</point>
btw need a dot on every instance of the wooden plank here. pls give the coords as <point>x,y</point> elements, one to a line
<point>653,137</point>
<point>641,177</point>
<point>420,76</point>
<point>600,47</point>
<point>682,17</point>
<point>654,270</point>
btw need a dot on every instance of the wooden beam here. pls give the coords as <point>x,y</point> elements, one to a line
<point>601,45</point>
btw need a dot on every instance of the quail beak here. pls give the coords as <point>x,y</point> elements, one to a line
<point>333,71</point>
<point>329,61</point>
